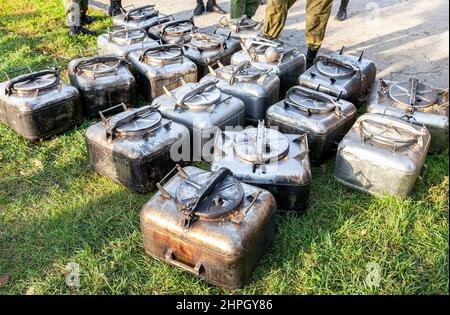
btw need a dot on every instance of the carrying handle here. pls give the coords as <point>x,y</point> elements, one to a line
<point>99,59</point>
<point>237,69</point>
<point>160,48</point>
<point>313,96</point>
<point>134,10</point>
<point>160,184</point>
<point>127,31</point>
<point>165,87</point>
<point>7,73</point>
<point>413,91</point>
<point>240,217</point>
<point>176,22</point>
<point>211,69</point>
<point>31,76</point>
<point>171,259</point>
<point>342,63</point>
<point>102,112</point>
<point>198,89</point>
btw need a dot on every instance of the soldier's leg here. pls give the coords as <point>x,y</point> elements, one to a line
<point>342,13</point>
<point>275,16</point>
<point>74,12</point>
<point>84,18</point>
<point>237,8</point>
<point>212,6</point>
<point>252,6</point>
<point>115,7</point>
<point>317,15</point>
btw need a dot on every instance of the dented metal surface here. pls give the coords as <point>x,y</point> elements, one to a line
<point>257,88</point>
<point>268,159</point>
<point>414,102</point>
<point>204,109</point>
<point>38,105</point>
<point>134,147</point>
<point>241,28</point>
<point>206,50</point>
<point>382,155</point>
<point>140,17</point>
<point>173,32</point>
<point>123,41</point>
<point>336,74</point>
<point>209,224</point>
<point>324,118</point>
<point>161,66</point>
<point>103,81</point>
<point>287,63</point>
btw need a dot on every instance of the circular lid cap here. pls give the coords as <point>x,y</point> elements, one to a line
<point>206,41</point>
<point>96,67</point>
<point>225,197</point>
<point>425,96</point>
<point>333,70</point>
<point>179,29</point>
<point>142,13</point>
<point>199,101</point>
<point>39,83</point>
<point>163,54</point>
<point>242,23</point>
<point>275,145</point>
<point>389,134</point>
<point>246,74</point>
<point>140,125</point>
<point>127,36</point>
<point>307,102</point>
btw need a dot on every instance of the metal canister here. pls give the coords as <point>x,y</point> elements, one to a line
<point>173,32</point>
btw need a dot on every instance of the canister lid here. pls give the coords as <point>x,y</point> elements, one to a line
<point>128,36</point>
<point>177,28</point>
<point>259,145</point>
<point>206,42</point>
<point>334,70</point>
<point>98,66</point>
<point>223,194</point>
<point>35,83</point>
<point>402,92</point>
<point>141,125</point>
<point>309,101</point>
<point>197,96</point>
<point>142,13</point>
<point>248,73</point>
<point>240,24</point>
<point>162,53</point>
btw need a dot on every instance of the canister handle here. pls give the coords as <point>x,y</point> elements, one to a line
<point>236,70</point>
<point>127,30</point>
<point>100,59</point>
<point>315,96</point>
<point>159,48</point>
<point>102,112</point>
<point>339,62</point>
<point>134,10</point>
<point>10,86</point>
<point>176,22</point>
<point>160,184</point>
<point>171,259</point>
<point>198,89</point>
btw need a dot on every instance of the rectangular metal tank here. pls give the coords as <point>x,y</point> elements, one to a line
<point>341,74</point>
<point>288,63</point>
<point>38,105</point>
<point>135,148</point>
<point>414,102</point>
<point>382,155</point>
<point>209,224</point>
<point>204,109</point>
<point>257,88</point>
<point>324,118</point>
<point>206,50</point>
<point>103,81</point>
<point>161,66</point>
<point>268,159</point>
<point>176,32</point>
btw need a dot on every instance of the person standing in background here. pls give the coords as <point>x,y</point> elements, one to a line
<point>211,6</point>
<point>239,8</point>
<point>317,15</point>
<point>342,13</point>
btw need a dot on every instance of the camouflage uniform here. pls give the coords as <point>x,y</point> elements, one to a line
<point>243,7</point>
<point>317,14</point>
<point>73,17</point>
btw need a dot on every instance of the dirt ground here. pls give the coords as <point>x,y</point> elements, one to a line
<point>404,38</point>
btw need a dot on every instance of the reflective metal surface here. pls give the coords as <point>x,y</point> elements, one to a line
<point>173,32</point>
<point>141,17</point>
<point>241,28</point>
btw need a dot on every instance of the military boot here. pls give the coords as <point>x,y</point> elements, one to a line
<point>200,8</point>
<point>77,30</point>
<point>311,56</point>
<point>211,6</point>
<point>86,19</point>
<point>115,7</point>
<point>342,13</point>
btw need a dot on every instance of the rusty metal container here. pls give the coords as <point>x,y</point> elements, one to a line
<point>134,147</point>
<point>324,118</point>
<point>257,88</point>
<point>209,224</point>
<point>287,63</point>
<point>341,74</point>
<point>123,41</point>
<point>159,66</point>
<point>102,82</point>
<point>38,105</point>
<point>241,28</point>
<point>414,102</point>
<point>268,159</point>
<point>382,155</point>
<point>140,17</point>
<point>204,109</point>
<point>206,50</point>
<point>176,32</point>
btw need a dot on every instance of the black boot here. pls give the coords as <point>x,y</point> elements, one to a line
<point>310,57</point>
<point>342,13</point>
<point>200,8</point>
<point>86,19</point>
<point>115,8</point>
<point>77,30</point>
<point>212,6</point>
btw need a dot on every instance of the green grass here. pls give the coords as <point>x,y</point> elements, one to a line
<point>54,209</point>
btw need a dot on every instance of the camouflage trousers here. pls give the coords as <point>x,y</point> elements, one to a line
<point>317,15</point>
<point>239,8</point>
